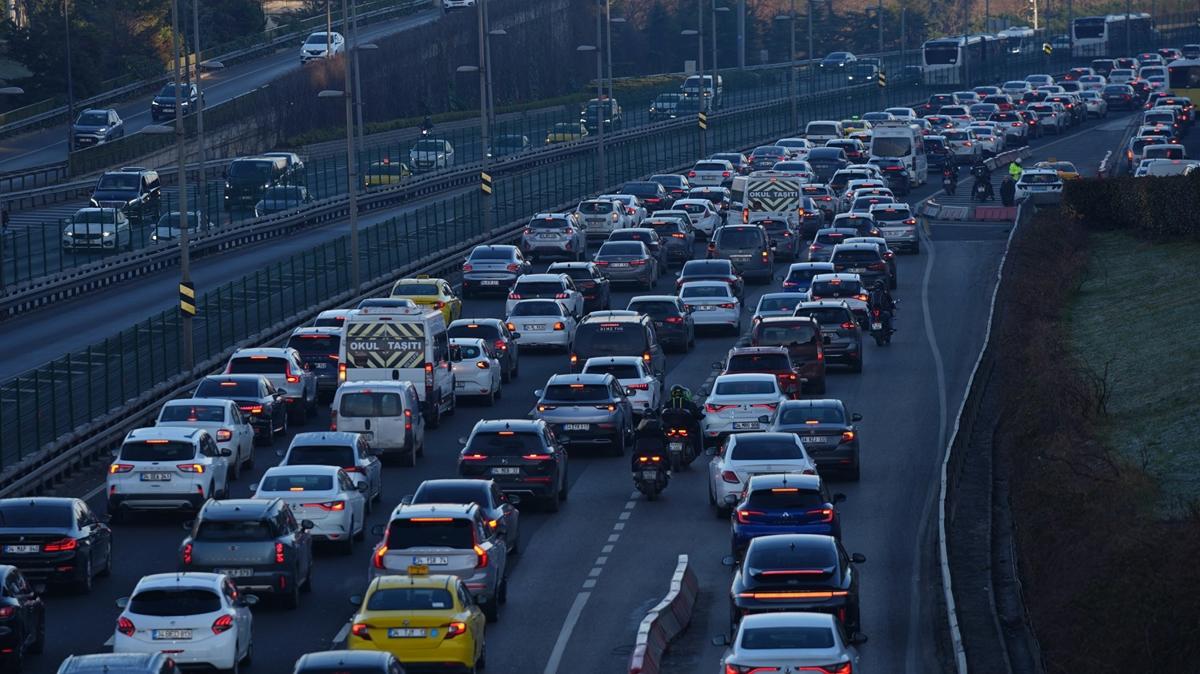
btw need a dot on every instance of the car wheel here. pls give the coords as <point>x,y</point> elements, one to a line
<point>491,611</point>
<point>551,503</point>
<point>854,471</point>
<point>249,458</point>
<point>308,584</point>
<point>249,656</point>
<point>562,489</point>
<point>291,600</point>
<point>84,584</point>
<point>237,664</point>
<point>361,534</point>
<point>482,661</point>
<point>39,641</point>
<point>235,466</point>
<point>284,429</point>
<point>506,374</point>
<point>434,419</point>
<point>490,399</point>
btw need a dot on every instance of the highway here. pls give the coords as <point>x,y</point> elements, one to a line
<point>49,145</point>
<point>556,619</point>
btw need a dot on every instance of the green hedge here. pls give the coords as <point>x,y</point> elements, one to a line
<point>1151,208</point>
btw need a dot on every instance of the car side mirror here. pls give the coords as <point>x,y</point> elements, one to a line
<point>122,602</point>
<point>377,530</point>
<point>356,600</point>
<point>225,451</point>
<point>538,392</point>
<point>514,499</point>
<point>858,558</point>
<point>406,500</point>
<point>764,419</point>
<point>280,453</point>
<point>720,640</point>
<point>839,498</point>
<point>731,499</point>
<point>248,599</point>
<point>307,525</point>
<point>362,487</point>
<point>858,638</point>
<point>729,560</point>
<point>856,417</point>
<point>462,441</point>
<point>516,335</point>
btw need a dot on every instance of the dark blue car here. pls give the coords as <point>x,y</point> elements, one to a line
<point>800,275</point>
<point>782,503</point>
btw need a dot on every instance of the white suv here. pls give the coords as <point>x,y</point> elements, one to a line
<point>284,368</point>
<point>222,419</point>
<point>165,468</point>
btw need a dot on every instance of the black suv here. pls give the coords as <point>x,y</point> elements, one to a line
<point>672,320</point>
<point>133,189</point>
<point>841,335</point>
<point>521,456</point>
<point>588,280</point>
<point>247,179</point>
<point>653,196</point>
<point>162,106</point>
<point>617,333</point>
<point>259,537</point>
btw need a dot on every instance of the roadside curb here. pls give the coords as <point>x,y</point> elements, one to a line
<point>933,210</point>
<point>665,621</point>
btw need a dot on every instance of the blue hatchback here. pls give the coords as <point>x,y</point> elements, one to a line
<point>782,503</point>
<point>800,274</point>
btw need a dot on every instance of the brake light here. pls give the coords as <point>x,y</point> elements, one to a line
<point>333,420</point>
<point>514,296</point>
<point>646,357</point>
<point>341,372</point>
<point>224,435</point>
<point>673,320</point>
<point>191,468</point>
<point>824,515</point>
<point>60,545</point>
<point>258,409</point>
<point>187,553</point>
<point>377,558</point>
<point>120,468</point>
<point>536,457</point>
<point>713,409</point>
<point>279,555</point>
<point>636,263</point>
<point>847,436</point>
<point>291,378</point>
<point>454,629</point>
<point>125,626</point>
<point>743,516</point>
<point>222,624</point>
<point>474,457</point>
<point>730,477</point>
<point>610,408</point>
<point>328,506</point>
<point>481,560</point>
<point>691,174</point>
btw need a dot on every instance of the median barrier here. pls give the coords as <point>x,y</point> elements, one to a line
<point>666,621</point>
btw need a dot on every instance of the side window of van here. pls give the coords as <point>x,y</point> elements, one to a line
<point>441,347</point>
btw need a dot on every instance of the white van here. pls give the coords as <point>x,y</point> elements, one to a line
<point>387,413</point>
<point>903,140</point>
<point>819,132</point>
<point>400,344</point>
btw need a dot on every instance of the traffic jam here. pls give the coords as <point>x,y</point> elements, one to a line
<point>788,253</point>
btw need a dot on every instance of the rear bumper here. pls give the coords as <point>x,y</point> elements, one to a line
<point>176,501</point>
<point>50,571</point>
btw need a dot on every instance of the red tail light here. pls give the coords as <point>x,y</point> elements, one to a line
<point>467,266</point>
<point>224,435</point>
<point>481,560</point>
<point>730,477</point>
<point>120,468</point>
<point>291,378</point>
<point>674,320</point>
<point>361,631</point>
<point>454,629</point>
<point>125,626</point>
<point>408,420</point>
<point>513,267</point>
<point>821,514</point>
<point>187,553</point>
<point>691,174</point>
<point>640,387</point>
<point>222,624</point>
<point>60,545</point>
<point>191,468</point>
<point>847,436</point>
<point>744,516</point>
<point>279,554</point>
<point>725,174</point>
<point>252,409</point>
<point>713,409</point>
<point>328,506</point>
<point>561,296</point>
<point>377,558</point>
<point>474,457</point>
<point>514,296</point>
<point>536,457</point>
<point>512,327</point>
<point>636,263</point>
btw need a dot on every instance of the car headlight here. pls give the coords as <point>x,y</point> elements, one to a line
<point>107,234</point>
<point>69,233</point>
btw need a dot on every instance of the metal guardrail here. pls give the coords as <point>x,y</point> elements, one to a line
<point>32,177</point>
<point>53,114</point>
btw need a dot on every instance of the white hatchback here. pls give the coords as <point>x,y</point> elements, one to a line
<point>541,323</point>
<point>712,303</point>
<point>166,469</point>
<point>476,369</point>
<point>701,214</point>
<point>739,403</point>
<point>745,455</point>
<point>352,452</point>
<point>634,375</point>
<point>324,495</point>
<point>223,421</point>
<point>792,641</point>
<point>199,618</point>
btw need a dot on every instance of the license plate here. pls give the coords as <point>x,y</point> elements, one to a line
<point>489,283</point>
<point>22,549</point>
<point>576,427</point>
<point>877,326</point>
<point>235,573</point>
<point>706,307</point>
<point>675,447</point>
<point>431,561</point>
<point>460,384</point>
<point>741,425</point>
<point>406,633</point>
<point>533,328</point>
<point>506,471</point>
<point>857,270</point>
<point>160,635</point>
<point>156,477</point>
<point>619,265</point>
<point>650,474</point>
<point>322,366</point>
<point>817,440</point>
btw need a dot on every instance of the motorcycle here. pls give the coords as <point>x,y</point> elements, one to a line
<point>982,191</point>
<point>680,446</point>
<point>881,329</point>
<point>650,476</point>
<point>949,184</point>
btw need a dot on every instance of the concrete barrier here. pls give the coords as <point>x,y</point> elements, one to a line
<point>665,621</point>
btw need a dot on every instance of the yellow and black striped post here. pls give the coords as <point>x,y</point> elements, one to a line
<point>702,120</point>
<point>187,298</point>
<point>1047,48</point>
<point>485,182</point>
<point>881,79</point>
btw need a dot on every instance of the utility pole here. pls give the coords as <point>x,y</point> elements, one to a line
<point>1036,25</point>
<point>202,173</point>
<point>608,44</point>
<point>491,87</point>
<point>70,80</point>
<point>700,71</point>
<point>352,168</point>
<point>187,354</point>
<point>358,105</point>
<point>741,34</point>
<point>879,20</point>
<point>484,131</point>
<point>329,28</point>
<point>714,48</point>
<point>1128,38</point>
<point>793,85</point>
<point>601,110</point>
<point>903,32</point>
<point>812,75</point>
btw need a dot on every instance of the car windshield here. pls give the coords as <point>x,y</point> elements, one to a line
<point>778,335</point>
<point>492,254</point>
<point>621,248</point>
<point>758,362</point>
<point>773,638</point>
<point>370,404</point>
<point>321,455</point>
<point>611,339</point>
<point>257,365</point>
<point>741,387</point>
<point>175,601</point>
<point>432,532</point>
<point>94,119</point>
<point>171,220</point>
<point>791,414</point>
<point>505,443</point>
<point>428,146</point>
<point>119,181</point>
<point>566,128</point>
<point>410,599</point>
<point>618,370</point>
<point>721,291</point>
<point>215,388</point>
<point>314,343</point>
<point>762,447</point>
<point>157,450</point>
<point>533,308</point>
<point>317,38</point>
<point>29,515</point>
<point>250,171</point>
<point>738,237</point>
<point>235,530</point>
<point>297,483</point>
<point>386,169</point>
<point>595,207</point>
<point>839,288</point>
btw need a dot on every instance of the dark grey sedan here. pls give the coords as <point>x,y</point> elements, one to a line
<point>628,262</point>
<point>672,320</point>
<point>827,431</point>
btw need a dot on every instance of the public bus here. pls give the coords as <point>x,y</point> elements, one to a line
<point>1183,78</point>
<point>1100,36</point>
<point>962,60</point>
<point>1020,40</point>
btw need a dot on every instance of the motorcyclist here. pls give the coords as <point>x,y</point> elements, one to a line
<point>883,304</point>
<point>426,125</point>
<point>950,178</point>
<point>1015,169</point>
<point>680,411</point>
<point>983,175</point>
<point>649,442</point>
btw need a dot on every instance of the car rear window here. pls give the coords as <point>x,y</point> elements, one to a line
<point>778,555</point>
<point>780,498</point>
<point>315,344</point>
<point>779,335</point>
<point>235,530</point>
<point>830,238</point>
<point>157,450</point>
<point>407,289</point>
<point>825,316</point>
<point>804,415</point>
<point>538,288</point>
<point>435,532</point>
<point>618,370</point>
<point>758,362</point>
<point>371,404</point>
<point>691,208</point>
<point>491,254</point>
<point>329,321</point>
<point>595,207</point>
<point>822,129</point>
<point>479,330</point>
<point>257,365</point>
<point>694,292</point>
<point>779,638</point>
<point>804,274</point>
<point>611,339</point>
<point>778,303</point>
<point>175,601</point>
<point>23,515</point>
<point>410,599</point>
<point>839,289</point>
<point>706,268</point>
<point>460,352</point>
<point>321,455</point>
<point>891,214</point>
<point>710,166</point>
<point>855,255</point>
<point>297,483</point>
<point>194,413</point>
<point>757,447</point>
<point>1040,179</point>
<point>451,493</point>
<point>739,237</point>
<point>505,443</point>
<point>621,248</point>
<point>655,310</point>
<point>537,308</point>
<point>745,387</point>
<point>215,388</point>
<point>576,393</point>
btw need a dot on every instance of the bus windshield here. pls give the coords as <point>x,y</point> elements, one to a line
<point>941,54</point>
<point>1091,27</point>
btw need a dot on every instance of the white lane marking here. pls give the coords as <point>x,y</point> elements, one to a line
<point>601,560</point>
<point>606,549</point>
<point>93,492</point>
<point>619,526</point>
<point>613,538</point>
<point>110,642</point>
<point>625,515</point>
<point>589,583</point>
<point>340,637</point>
<point>596,571</point>
<point>564,635</point>
<point>630,504</point>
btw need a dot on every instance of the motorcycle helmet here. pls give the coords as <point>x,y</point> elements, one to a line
<point>678,391</point>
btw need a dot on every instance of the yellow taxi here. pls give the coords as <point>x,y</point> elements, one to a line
<point>565,132</point>
<point>420,619</point>
<point>850,126</point>
<point>430,292</point>
<point>385,172</point>
<point>1066,170</point>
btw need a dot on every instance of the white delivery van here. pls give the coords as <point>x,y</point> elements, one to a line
<point>400,344</point>
<point>388,413</point>
<point>903,140</point>
<point>768,198</point>
<point>821,131</point>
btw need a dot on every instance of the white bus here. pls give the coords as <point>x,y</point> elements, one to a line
<point>1100,36</point>
<point>1020,40</point>
<point>960,60</point>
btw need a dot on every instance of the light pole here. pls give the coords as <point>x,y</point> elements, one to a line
<point>485,135</point>
<point>812,75</point>
<point>699,33</point>
<point>201,150</point>
<point>793,85</point>
<point>608,44</point>
<point>601,169</point>
<point>715,71</point>
<point>70,79</point>
<point>879,20</point>
<point>741,34</point>
<point>356,47</point>
<point>185,265</point>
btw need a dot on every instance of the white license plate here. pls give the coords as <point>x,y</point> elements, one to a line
<point>547,236</point>
<point>619,265</point>
<point>160,635</point>
<point>431,561</point>
<point>576,427</point>
<point>22,549</point>
<point>741,425</point>
<point>460,384</point>
<point>877,326</point>
<point>533,328</point>
<point>489,283</point>
<point>706,307</point>
<point>817,440</point>
<point>236,573</point>
<point>857,270</point>
<point>649,474</point>
<point>675,447</point>
<point>156,477</point>
<point>406,633</point>
<point>506,471</point>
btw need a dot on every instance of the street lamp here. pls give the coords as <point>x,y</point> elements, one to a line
<point>793,86</point>
<point>601,169</point>
<point>484,68</point>
<point>608,45</point>
<point>352,177</point>
<point>715,10</point>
